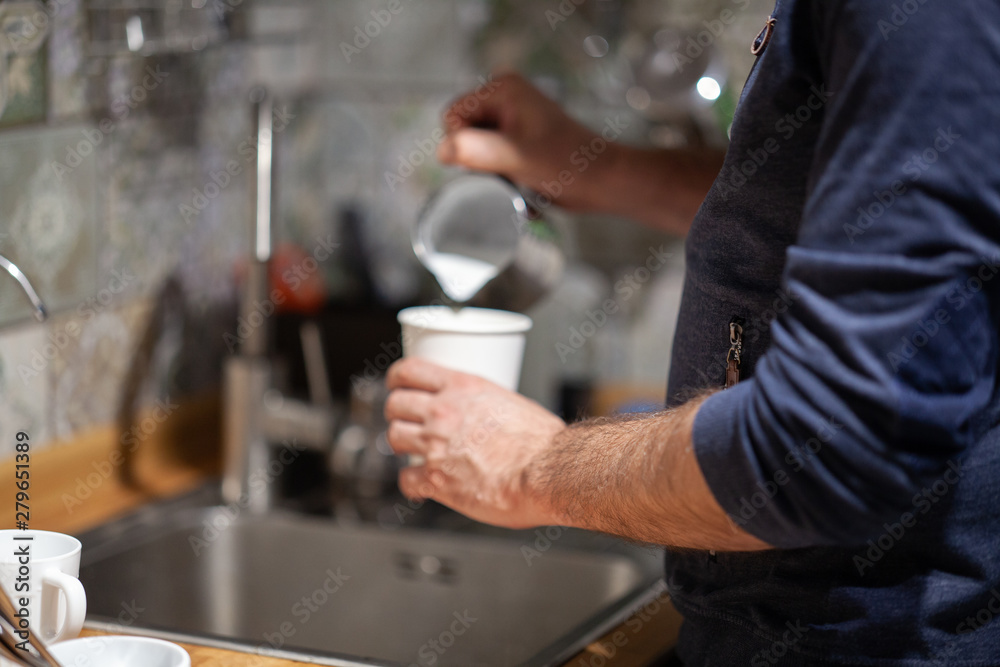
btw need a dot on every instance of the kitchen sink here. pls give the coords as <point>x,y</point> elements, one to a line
<point>336,593</point>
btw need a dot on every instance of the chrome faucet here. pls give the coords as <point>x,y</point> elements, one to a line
<point>40,311</point>
<point>257,416</point>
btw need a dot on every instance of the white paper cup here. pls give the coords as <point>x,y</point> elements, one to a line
<point>479,341</point>
<point>120,651</point>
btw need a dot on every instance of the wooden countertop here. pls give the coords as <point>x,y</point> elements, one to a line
<point>76,486</point>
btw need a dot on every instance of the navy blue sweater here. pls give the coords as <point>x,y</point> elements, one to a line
<point>855,233</point>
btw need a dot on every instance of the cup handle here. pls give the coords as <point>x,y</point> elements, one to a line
<point>76,606</point>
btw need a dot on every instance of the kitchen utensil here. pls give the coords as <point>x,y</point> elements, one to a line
<point>40,312</point>
<point>11,654</point>
<point>10,637</point>
<point>480,341</point>
<point>56,600</point>
<point>121,651</point>
<point>479,229</point>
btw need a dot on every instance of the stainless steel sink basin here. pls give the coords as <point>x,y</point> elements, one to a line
<point>308,588</point>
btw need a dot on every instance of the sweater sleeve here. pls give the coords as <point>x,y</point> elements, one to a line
<point>881,373</point>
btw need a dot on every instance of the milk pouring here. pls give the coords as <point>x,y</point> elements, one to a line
<point>460,277</point>
<point>481,240</point>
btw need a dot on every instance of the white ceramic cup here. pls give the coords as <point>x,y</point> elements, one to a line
<point>120,651</point>
<point>479,341</point>
<point>56,601</point>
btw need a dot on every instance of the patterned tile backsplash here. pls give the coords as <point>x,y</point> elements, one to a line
<point>86,375</point>
<point>24,376</point>
<point>48,213</point>
<point>118,150</point>
<point>23,63</point>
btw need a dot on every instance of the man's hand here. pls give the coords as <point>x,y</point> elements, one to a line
<point>511,128</point>
<point>500,458</point>
<point>478,442</point>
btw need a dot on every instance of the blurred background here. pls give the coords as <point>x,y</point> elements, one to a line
<point>127,146</point>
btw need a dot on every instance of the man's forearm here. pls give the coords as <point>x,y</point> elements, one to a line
<point>660,188</point>
<point>638,478</point>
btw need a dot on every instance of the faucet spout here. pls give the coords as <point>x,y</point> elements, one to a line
<point>41,313</point>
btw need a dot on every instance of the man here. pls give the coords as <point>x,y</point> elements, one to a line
<point>840,504</point>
